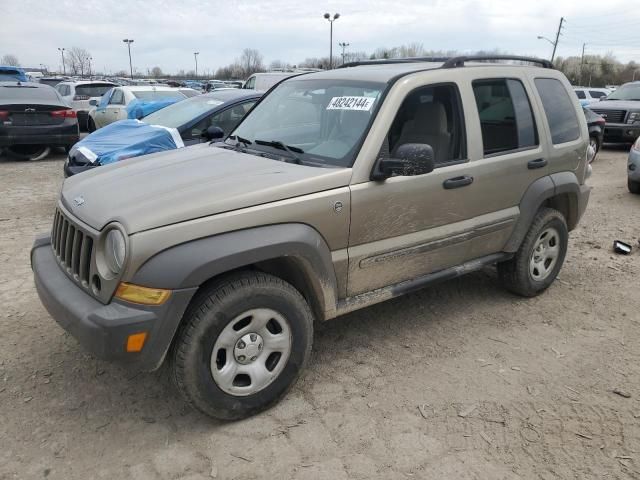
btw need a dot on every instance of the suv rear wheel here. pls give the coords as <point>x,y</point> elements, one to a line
<point>634,187</point>
<point>243,343</point>
<point>540,257</point>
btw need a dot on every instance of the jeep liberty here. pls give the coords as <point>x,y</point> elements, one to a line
<point>339,190</point>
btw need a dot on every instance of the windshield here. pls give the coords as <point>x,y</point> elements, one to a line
<point>180,113</point>
<point>93,89</point>
<point>323,120</point>
<point>630,91</point>
<point>151,95</point>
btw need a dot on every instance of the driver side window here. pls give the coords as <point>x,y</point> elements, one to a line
<point>432,116</point>
<point>117,98</point>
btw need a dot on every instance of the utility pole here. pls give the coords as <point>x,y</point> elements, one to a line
<point>64,69</point>
<point>343,45</point>
<point>555,44</point>
<point>195,55</point>
<point>129,42</point>
<point>582,63</point>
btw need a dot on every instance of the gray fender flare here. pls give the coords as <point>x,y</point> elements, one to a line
<point>192,263</point>
<point>536,195</point>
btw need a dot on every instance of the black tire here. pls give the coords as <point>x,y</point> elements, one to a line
<point>214,308</point>
<point>30,153</point>
<point>515,274</point>
<point>595,141</point>
<point>91,125</point>
<point>634,187</point>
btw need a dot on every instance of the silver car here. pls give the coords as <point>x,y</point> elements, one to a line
<point>79,94</point>
<point>633,168</point>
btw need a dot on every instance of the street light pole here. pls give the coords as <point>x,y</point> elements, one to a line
<point>64,69</point>
<point>582,62</point>
<point>331,20</point>
<point>195,55</point>
<point>343,45</point>
<point>90,58</point>
<point>129,41</point>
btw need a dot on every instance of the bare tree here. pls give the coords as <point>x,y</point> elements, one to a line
<point>156,72</point>
<point>10,60</point>
<point>251,61</point>
<point>78,61</point>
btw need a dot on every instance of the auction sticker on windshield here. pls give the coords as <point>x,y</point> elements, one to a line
<point>351,103</point>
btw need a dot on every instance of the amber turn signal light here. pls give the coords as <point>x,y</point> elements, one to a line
<point>142,295</point>
<point>135,342</point>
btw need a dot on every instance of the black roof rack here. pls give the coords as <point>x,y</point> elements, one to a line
<point>455,62</point>
<point>450,62</point>
<point>386,61</point>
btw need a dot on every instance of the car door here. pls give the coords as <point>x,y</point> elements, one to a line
<point>409,226</point>
<point>114,108</point>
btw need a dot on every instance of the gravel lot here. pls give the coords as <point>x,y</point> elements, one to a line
<point>460,381</point>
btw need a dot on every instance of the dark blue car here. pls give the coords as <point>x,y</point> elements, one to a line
<point>191,119</point>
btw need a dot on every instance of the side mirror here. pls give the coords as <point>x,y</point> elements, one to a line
<point>213,133</point>
<point>604,97</point>
<point>409,159</point>
<point>138,113</point>
<point>93,102</point>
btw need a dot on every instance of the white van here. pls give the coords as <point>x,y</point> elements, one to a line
<point>264,81</point>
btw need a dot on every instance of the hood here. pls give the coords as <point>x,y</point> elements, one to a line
<point>615,105</point>
<point>169,187</point>
<point>122,140</point>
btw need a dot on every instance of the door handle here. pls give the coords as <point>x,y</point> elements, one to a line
<point>537,163</point>
<point>457,182</point>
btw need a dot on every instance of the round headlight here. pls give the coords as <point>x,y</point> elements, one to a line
<point>114,250</point>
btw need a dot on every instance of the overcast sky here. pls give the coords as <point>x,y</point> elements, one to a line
<point>166,33</point>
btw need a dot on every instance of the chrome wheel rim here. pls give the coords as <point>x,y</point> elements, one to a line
<point>544,257</point>
<point>251,351</point>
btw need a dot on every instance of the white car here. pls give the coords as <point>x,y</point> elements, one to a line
<point>589,95</point>
<point>113,105</point>
<point>79,94</point>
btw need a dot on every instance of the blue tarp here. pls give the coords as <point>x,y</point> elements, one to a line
<point>12,74</point>
<point>141,108</point>
<point>126,139</point>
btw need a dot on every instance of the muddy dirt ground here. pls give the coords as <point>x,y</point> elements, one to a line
<point>460,381</point>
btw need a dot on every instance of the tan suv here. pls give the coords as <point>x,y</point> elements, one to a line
<point>340,189</point>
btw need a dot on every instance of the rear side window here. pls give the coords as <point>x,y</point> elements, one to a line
<point>117,98</point>
<point>505,115</point>
<point>559,110</point>
<point>596,94</point>
<point>580,94</point>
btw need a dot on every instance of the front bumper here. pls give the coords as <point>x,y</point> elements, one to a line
<point>618,133</point>
<point>633,165</point>
<point>103,329</point>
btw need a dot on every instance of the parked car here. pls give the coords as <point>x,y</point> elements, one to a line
<point>113,104</point>
<point>12,74</point>
<point>596,125</point>
<point>34,118</point>
<point>79,95</point>
<point>588,95</point>
<point>215,85</point>
<point>621,112</point>
<point>181,124</point>
<point>339,190</point>
<point>633,168</point>
<point>264,81</point>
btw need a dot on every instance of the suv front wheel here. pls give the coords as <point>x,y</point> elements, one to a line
<point>540,257</point>
<point>243,343</point>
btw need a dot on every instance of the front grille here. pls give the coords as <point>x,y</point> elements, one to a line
<point>73,248</point>
<point>611,116</point>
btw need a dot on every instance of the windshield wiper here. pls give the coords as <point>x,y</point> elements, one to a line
<point>291,150</point>
<point>240,140</point>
